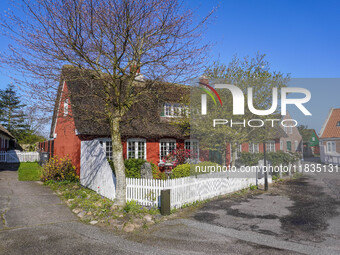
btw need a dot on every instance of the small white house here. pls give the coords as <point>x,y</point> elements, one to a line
<point>330,138</point>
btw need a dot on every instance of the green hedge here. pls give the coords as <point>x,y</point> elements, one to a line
<point>276,158</point>
<point>186,170</point>
<point>133,167</point>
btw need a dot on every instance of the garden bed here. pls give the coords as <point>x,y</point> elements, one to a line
<point>95,209</point>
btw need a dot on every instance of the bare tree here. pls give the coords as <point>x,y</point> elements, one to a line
<point>113,39</point>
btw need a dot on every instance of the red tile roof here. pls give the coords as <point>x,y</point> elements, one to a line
<point>331,128</point>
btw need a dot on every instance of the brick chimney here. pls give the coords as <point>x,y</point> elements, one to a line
<point>204,79</point>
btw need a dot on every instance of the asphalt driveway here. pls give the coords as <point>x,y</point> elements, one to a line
<point>35,221</point>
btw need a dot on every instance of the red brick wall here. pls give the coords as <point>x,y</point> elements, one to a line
<point>66,143</point>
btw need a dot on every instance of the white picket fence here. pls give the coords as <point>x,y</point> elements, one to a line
<point>18,156</point>
<point>183,190</point>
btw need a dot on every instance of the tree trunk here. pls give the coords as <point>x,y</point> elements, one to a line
<point>118,162</point>
<point>233,155</point>
<point>224,157</point>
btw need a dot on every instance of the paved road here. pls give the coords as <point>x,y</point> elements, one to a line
<point>301,217</point>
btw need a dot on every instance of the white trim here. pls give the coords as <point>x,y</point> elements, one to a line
<point>55,124</point>
<point>253,145</point>
<point>326,122</point>
<point>330,146</point>
<point>191,145</point>
<point>66,104</point>
<point>167,145</point>
<point>329,139</point>
<point>103,141</point>
<point>172,111</point>
<point>270,142</point>
<point>136,140</point>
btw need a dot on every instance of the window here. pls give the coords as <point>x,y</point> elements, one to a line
<point>193,146</point>
<point>136,148</point>
<point>165,147</point>
<point>288,130</point>
<point>167,110</point>
<point>108,150</point>
<point>270,146</point>
<point>66,107</point>
<point>296,145</point>
<point>331,147</point>
<point>254,148</point>
<point>174,110</point>
<point>106,144</point>
<point>281,145</point>
<point>289,146</point>
<point>338,124</point>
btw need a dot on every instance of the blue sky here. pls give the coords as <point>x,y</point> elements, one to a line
<point>300,37</point>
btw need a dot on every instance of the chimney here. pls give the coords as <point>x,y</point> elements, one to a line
<point>204,79</point>
<point>133,67</point>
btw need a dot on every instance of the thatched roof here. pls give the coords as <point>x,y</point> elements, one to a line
<point>6,132</point>
<point>142,120</point>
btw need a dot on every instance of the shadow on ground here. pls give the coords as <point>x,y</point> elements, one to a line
<point>9,166</point>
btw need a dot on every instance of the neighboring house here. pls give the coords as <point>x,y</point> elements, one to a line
<point>310,143</point>
<point>146,132</point>
<point>272,145</point>
<point>7,140</point>
<point>293,141</point>
<point>47,146</point>
<point>330,138</point>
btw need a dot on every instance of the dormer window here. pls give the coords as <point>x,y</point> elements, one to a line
<point>66,107</point>
<point>174,110</point>
<point>338,124</point>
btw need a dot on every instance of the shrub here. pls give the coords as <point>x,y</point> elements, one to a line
<point>276,158</point>
<point>156,174</point>
<point>133,167</point>
<point>59,170</point>
<point>178,156</point>
<point>186,170</point>
<point>180,171</point>
<point>249,159</point>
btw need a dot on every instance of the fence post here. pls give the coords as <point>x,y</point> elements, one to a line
<point>165,202</point>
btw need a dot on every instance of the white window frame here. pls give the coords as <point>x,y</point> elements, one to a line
<point>331,146</point>
<point>169,110</point>
<point>281,145</point>
<point>104,142</point>
<point>66,103</point>
<point>167,145</point>
<point>191,145</point>
<point>254,147</point>
<point>271,147</point>
<point>136,141</point>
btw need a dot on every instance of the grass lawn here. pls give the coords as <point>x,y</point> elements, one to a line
<point>29,171</point>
